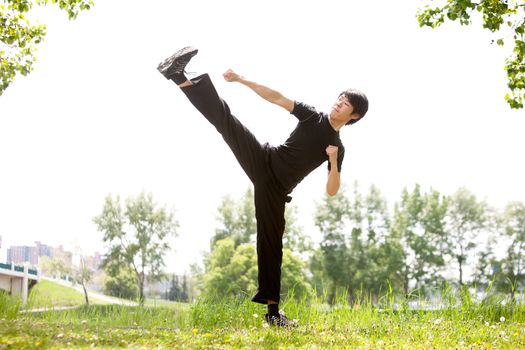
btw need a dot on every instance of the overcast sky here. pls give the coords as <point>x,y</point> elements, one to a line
<point>96,118</point>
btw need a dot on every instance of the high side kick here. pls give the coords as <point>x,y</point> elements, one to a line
<point>274,170</point>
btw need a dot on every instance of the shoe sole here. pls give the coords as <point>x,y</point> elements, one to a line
<point>186,53</point>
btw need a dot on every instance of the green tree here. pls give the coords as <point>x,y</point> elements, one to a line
<point>237,219</point>
<point>365,261</point>
<point>334,256</point>
<point>483,274</point>
<point>82,275</point>
<point>383,254</point>
<point>55,266</point>
<point>418,225</point>
<point>466,220</point>
<point>122,283</point>
<point>231,265</point>
<point>513,265</point>
<point>232,270</point>
<point>294,238</point>
<point>178,289</point>
<point>505,17</point>
<point>19,37</point>
<point>136,237</point>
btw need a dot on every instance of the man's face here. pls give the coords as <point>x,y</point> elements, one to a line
<point>342,111</point>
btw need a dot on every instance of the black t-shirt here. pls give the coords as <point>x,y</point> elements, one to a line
<point>305,148</point>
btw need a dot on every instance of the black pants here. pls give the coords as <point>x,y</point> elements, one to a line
<point>270,197</point>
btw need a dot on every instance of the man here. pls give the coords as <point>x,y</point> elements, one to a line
<point>274,171</point>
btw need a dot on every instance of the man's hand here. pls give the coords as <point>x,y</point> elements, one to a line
<point>331,152</point>
<point>231,76</point>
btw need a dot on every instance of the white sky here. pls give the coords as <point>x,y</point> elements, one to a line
<point>95,117</point>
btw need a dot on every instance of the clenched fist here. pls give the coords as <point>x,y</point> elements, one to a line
<point>230,76</point>
<point>331,152</point>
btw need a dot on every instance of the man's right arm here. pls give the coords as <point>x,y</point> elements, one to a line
<point>268,94</point>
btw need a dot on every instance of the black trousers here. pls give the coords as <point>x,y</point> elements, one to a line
<point>270,197</point>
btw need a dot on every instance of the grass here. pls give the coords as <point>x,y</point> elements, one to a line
<point>235,324</point>
<point>47,294</point>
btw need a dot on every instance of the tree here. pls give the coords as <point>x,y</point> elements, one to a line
<point>122,283</point>
<point>334,255</point>
<point>237,219</point>
<point>19,37</point>
<point>383,254</point>
<point>485,264</point>
<point>231,266</point>
<point>294,239</point>
<point>174,291</point>
<point>365,260</point>
<point>466,220</point>
<point>82,275</point>
<point>55,266</point>
<point>178,290</point>
<point>513,264</point>
<point>496,15</point>
<point>232,271</point>
<point>418,225</point>
<point>136,237</point>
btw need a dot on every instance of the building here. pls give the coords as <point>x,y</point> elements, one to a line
<point>22,254</point>
<point>31,255</point>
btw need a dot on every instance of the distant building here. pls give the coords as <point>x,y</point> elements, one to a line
<point>31,255</point>
<point>22,254</point>
<point>93,262</point>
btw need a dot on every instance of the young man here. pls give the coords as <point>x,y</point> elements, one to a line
<point>274,171</point>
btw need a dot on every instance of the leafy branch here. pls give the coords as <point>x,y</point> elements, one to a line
<point>495,14</point>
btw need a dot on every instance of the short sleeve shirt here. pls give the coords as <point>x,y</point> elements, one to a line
<point>305,148</point>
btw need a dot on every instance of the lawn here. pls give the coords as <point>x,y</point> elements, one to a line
<point>235,324</point>
<point>47,294</point>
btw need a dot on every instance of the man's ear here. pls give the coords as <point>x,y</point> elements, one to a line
<point>354,116</point>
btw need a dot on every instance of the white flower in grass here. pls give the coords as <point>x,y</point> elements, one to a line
<point>487,324</point>
<point>380,342</point>
<point>265,325</point>
<point>438,321</point>
<point>255,315</point>
<point>493,326</point>
<point>502,319</point>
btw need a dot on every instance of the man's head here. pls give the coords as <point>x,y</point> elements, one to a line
<point>350,107</point>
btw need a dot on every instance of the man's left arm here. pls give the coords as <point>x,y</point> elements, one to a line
<point>334,177</point>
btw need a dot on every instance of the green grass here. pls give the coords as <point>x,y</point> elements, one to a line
<point>47,294</point>
<point>239,324</point>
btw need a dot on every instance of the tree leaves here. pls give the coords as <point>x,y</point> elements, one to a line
<point>19,36</point>
<point>495,13</point>
<point>136,237</point>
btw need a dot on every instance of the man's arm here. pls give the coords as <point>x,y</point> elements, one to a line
<point>261,90</point>
<point>334,177</point>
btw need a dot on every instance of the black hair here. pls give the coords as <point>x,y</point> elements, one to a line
<point>358,100</point>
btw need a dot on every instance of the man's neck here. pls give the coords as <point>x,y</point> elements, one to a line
<point>334,125</point>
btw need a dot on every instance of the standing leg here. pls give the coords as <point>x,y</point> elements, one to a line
<point>269,211</point>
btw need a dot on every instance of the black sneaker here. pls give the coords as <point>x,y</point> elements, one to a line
<point>173,66</point>
<point>280,321</point>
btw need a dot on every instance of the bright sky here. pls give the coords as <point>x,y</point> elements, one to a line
<point>96,118</point>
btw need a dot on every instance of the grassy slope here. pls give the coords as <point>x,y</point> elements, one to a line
<point>49,294</point>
